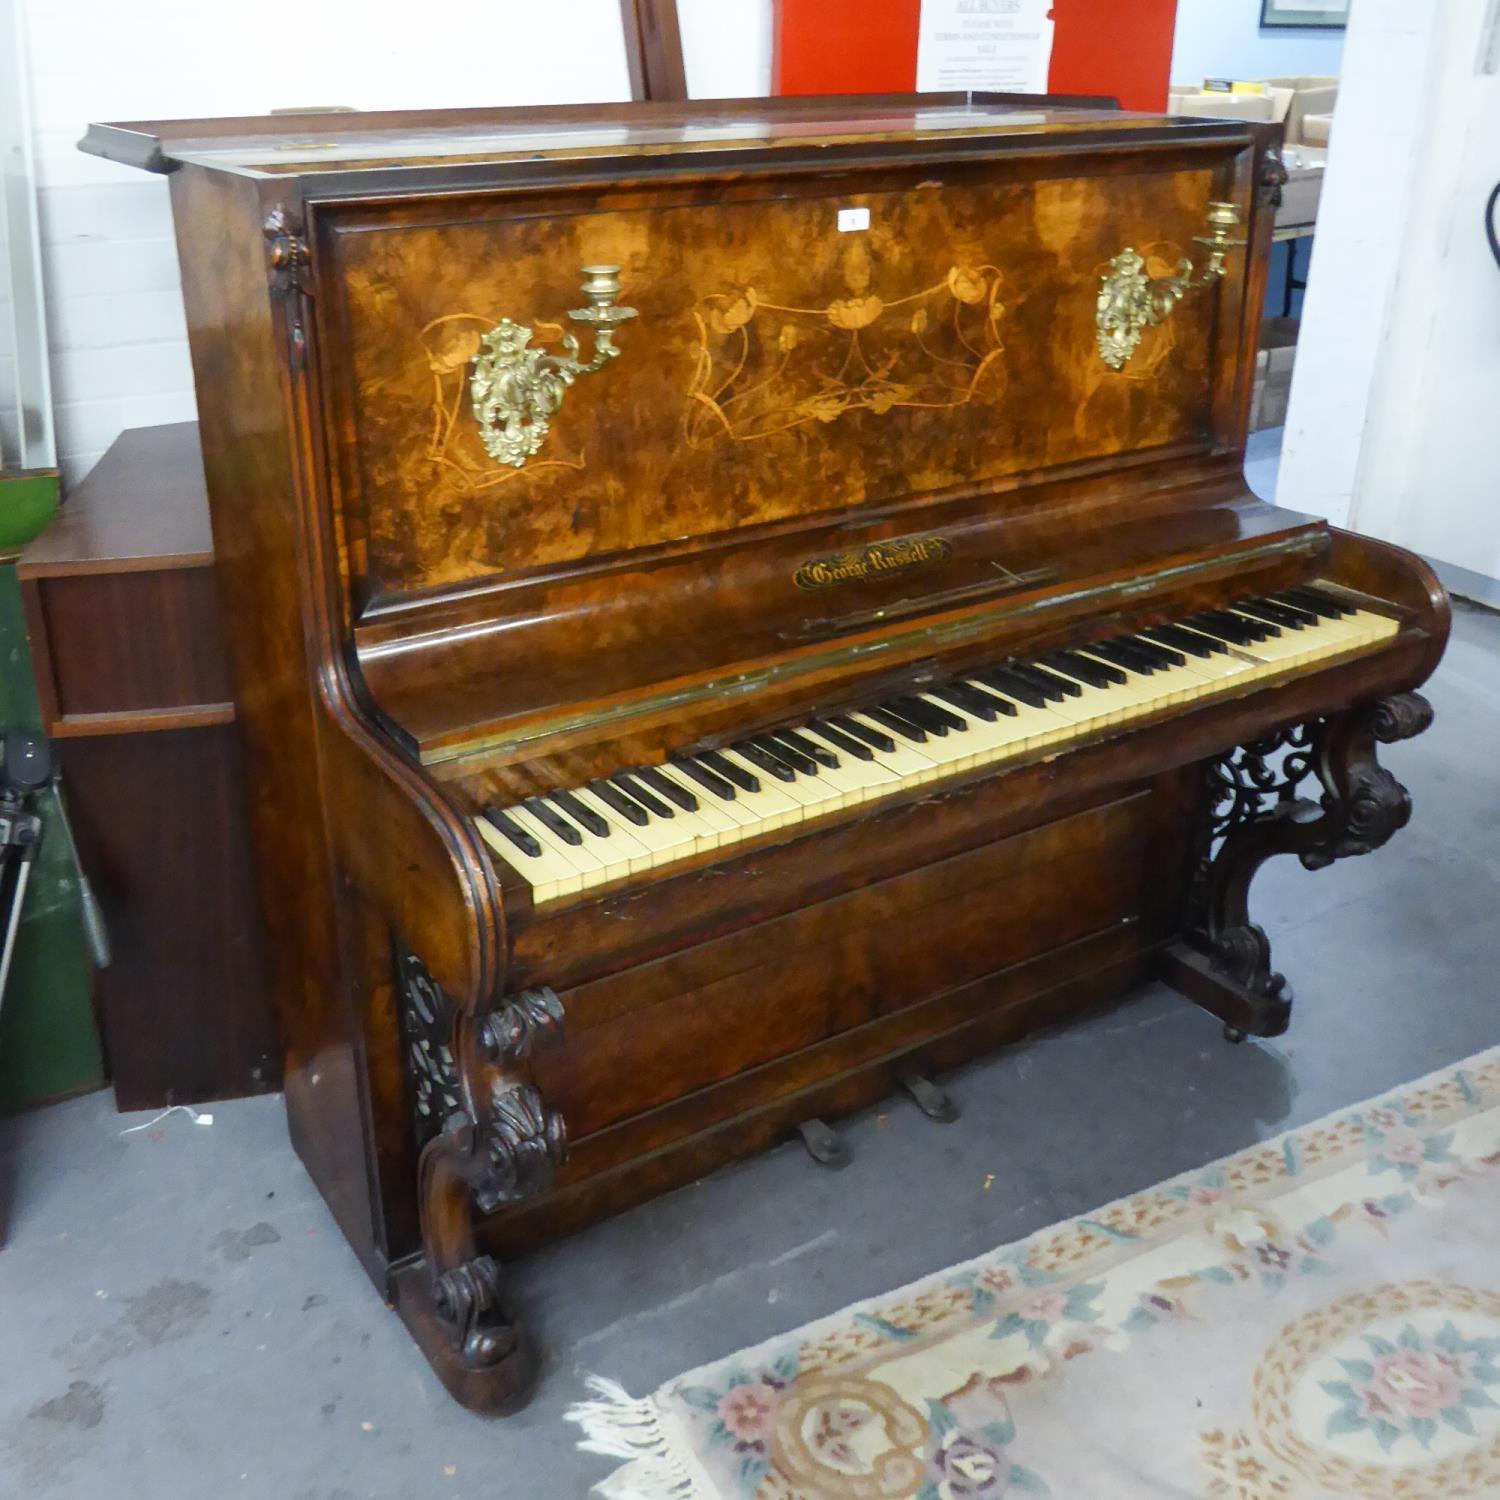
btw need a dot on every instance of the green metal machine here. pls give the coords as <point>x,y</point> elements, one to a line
<point>48,1040</point>
<point>49,1045</point>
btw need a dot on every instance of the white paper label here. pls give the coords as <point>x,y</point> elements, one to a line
<point>1000,45</point>
<point>853,218</point>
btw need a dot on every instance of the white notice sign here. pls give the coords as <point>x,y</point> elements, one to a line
<point>1004,45</point>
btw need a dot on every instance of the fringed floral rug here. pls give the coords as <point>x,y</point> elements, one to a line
<point>1318,1316</point>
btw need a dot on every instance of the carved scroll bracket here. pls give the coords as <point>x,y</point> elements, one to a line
<point>488,1139</point>
<point>1254,812</point>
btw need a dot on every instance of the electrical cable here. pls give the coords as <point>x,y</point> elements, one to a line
<point>1489,223</point>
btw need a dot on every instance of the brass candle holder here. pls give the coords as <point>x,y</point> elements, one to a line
<point>1130,301</point>
<point>516,390</point>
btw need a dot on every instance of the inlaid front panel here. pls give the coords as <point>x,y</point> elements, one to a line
<point>796,347</point>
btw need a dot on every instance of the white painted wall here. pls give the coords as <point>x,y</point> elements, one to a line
<point>726,47</point>
<point>1224,39</point>
<point>1393,427</point>
<point>114,303</point>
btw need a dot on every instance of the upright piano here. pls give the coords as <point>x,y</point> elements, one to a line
<point>736,607</point>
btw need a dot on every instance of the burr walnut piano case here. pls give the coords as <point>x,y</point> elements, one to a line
<point>734,605</point>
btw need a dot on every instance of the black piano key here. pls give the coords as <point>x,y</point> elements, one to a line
<point>1057,688</point>
<point>1122,656</point>
<point>1292,600</point>
<point>1151,658</point>
<point>551,819</point>
<point>1162,655</point>
<point>1231,627</point>
<point>1276,614</point>
<point>1219,633</point>
<point>777,745</point>
<point>1101,674</point>
<point>994,697</point>
<point>1307,616</point>
<point>871,737</point>
<point>627,807</point>
<point>1309,594</point>
<point>713,784</point>
<point>1013,687</point>
<point>763,760</point>
<point>820,753</point>
<point>923,715</point>
<point>514,832</point>
<point>585,817</point>
<point>632,786</point>
<point>1078,669</point>
<point>979,705</point>
<point>935,720</point>
<point>664,786</point>
<point>1184,640</point>
<point>1301,611</point>
<point>1073,684</point>
<point>746,781</point>
<point>894,722</point>
<point>840,740</point>
<point>946,715</point>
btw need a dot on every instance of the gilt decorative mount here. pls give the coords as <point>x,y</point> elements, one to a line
<point>1130,301</point>
<point>516,390</point>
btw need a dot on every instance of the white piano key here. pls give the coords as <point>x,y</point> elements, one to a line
<point>905,758</point>
<point>615,850</point>
<point>773,805</point>
<point>639,854</point>
<point>567,873</point>
<point>1040,726</point>
<point>561,869</point>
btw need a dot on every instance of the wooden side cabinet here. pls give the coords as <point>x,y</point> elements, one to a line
<point>122,608</point>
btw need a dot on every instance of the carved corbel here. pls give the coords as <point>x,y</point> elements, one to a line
<point>501,1144</point>
<point>1254,812</point>
<point>290,272</point>
<point>1273,177</point>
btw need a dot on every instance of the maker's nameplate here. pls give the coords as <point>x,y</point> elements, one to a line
<point>878,560</point>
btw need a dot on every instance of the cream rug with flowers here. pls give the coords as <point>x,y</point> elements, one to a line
<point>1318,1316</point>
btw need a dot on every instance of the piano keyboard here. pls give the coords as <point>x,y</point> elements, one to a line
<point>645,817</point>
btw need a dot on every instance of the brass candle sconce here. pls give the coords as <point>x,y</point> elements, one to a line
<point>1130,301</point>
<point>516,390</point>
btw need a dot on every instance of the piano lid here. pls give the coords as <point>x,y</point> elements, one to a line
<point>333,141</point>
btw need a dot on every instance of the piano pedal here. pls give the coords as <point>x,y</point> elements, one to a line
<point>934,1102</point>
<point>824,1146</point>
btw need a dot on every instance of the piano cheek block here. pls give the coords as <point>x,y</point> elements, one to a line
<point>509,551</point>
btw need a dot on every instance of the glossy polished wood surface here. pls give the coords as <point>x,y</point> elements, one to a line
<point>420,629</point>
<point>300,145</point>
<point>951,344</point>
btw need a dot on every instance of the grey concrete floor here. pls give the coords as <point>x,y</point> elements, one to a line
<point>181,1318</point>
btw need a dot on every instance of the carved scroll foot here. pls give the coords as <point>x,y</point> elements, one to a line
<point>1223,960</point>
<point>499,1144</point>
<point>476,1346</point>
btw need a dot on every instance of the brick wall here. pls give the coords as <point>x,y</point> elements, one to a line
<point>114,303</point>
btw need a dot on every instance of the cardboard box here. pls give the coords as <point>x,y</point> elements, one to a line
<point>1312,94</point>
<point>1191,100</point>
<point>1273,372</point>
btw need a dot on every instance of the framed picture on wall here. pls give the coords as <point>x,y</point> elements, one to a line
<point>1304,13</point>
